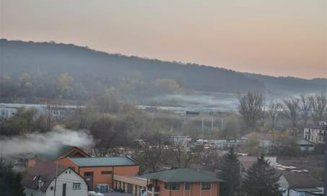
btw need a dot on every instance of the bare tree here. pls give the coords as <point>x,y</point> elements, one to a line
<point>305,109</point>
<point>180,156</point>
<point>274,113</point>
<point>291,111</point>
<point>151,154</point>
<point>251,108</point>
<point>319,107</point>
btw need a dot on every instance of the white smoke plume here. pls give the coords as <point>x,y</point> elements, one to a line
<point>50,142</point>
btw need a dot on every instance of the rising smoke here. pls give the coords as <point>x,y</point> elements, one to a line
<point>37,143</point>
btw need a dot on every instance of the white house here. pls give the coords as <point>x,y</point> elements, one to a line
<point>316,134</point>
<point>49,179</point>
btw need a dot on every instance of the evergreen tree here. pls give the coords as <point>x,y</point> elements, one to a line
<point>231,174</point>
<point>261,180</point>
<point>9,181</point>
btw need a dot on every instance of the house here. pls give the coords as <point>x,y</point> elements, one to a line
<point>317,134</point>
<point>100,171</point>
<point>56,154</point>
<point>49,179</point>
<point>299,184</point>
<point>186,182</point>
<point>305,145</point>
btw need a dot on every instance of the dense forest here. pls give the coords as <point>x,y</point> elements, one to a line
<point>35,71</point>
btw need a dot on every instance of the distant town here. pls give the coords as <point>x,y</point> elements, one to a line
<point>163,98</point>
<point>121,149</point>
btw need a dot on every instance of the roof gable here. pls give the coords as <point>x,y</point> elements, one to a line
<point>63,152</point>
<point>45,171</point>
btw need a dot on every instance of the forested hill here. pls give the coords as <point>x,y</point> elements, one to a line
<point>93,69</point>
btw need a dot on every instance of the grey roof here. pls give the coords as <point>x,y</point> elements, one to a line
<point>102,161</point>
<point>181,175</point>
<point>301,180</point>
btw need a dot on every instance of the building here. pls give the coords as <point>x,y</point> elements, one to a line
<point>56,111</point>
<point>186,182</point>
<point>49,179</point>
<point>56,154</point>
<point>100,171</point>
<point>225,144</point>
<point>316,135</point>
<point>179,140</point>
<point>134,185</point>
<point>299,184</point>
<point>293,181</point>
<point>305,145</point>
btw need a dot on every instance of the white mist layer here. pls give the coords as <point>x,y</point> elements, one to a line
<point>44,143</point>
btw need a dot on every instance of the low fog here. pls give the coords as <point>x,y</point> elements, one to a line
<point>45,143</point>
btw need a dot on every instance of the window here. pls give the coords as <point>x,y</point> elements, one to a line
<point>187,186</point>
<point>88,176</point>
<point>76,186</point>
<point>205,186</point>
<point>102,188</point>
<point>172,186</point>
<point>106,172</point>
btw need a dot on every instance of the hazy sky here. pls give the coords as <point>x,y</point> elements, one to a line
<point>275,37</point>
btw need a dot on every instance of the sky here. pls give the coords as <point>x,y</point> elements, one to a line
<point>272,37</point>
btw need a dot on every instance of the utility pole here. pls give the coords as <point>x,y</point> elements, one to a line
<point>202,125</point>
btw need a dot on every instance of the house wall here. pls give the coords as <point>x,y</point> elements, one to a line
<point>295,193</point>
<point>68,177</point>
<point>194,191</point>
<point>314,135</point>
<point>130,184</point>
<point>99,178</point>
<point>307,148</point>
<point>127,170</point>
